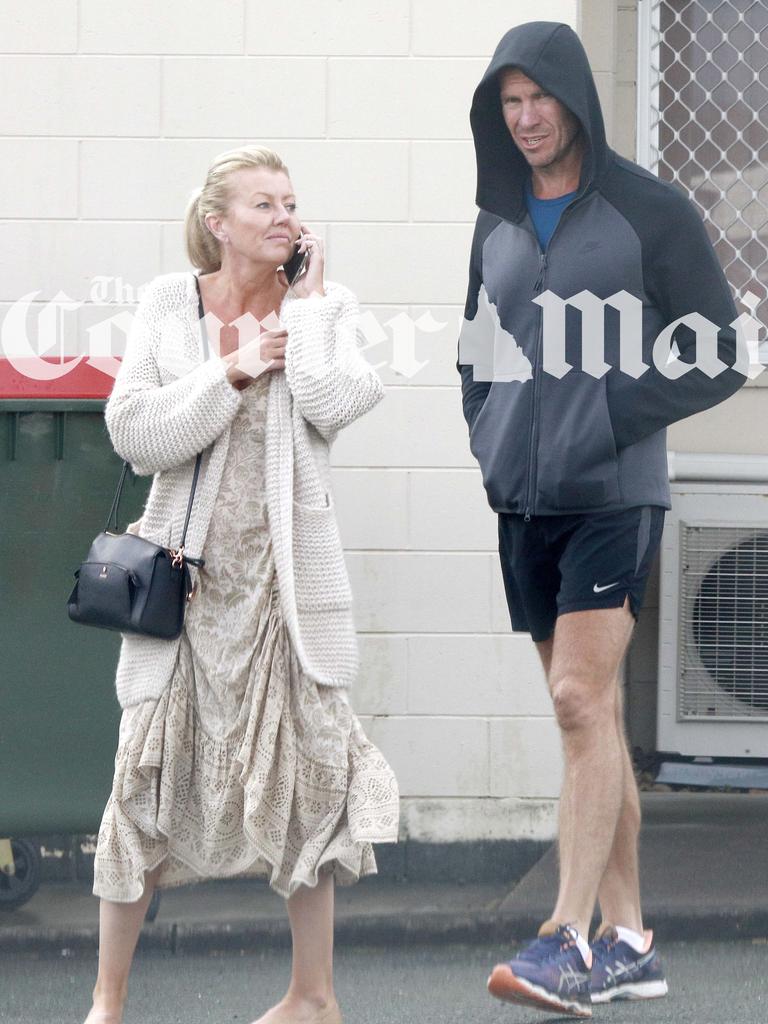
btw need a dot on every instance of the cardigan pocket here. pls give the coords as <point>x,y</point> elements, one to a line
<point>320,571</point>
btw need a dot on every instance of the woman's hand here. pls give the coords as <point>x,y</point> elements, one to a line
<point>311,281</point>
<point>259,355</point>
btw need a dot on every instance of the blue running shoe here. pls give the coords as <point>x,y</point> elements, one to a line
<point>549,974</point>
<point>620,972</point>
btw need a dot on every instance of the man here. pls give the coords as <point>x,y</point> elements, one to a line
<point>575,464</point>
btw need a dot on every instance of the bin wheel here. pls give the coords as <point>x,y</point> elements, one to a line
<point>16,889</point>
<point>154,906</point>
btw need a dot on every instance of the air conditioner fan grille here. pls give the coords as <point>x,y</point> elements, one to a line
<point>723,623</point>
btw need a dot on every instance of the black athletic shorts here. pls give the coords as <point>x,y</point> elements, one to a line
<point>557,564</point>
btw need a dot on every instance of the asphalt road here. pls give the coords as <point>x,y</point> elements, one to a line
<point>709,984</point>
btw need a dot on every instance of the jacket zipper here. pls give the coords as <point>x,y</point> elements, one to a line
<point>538,288</point>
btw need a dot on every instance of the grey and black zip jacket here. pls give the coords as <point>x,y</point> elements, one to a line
<point>575,443</point>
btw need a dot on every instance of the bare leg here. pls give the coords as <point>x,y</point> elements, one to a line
<point>619,892</point>
<point>119,928</point>
<point>587,650</point>
<point>310,998</point>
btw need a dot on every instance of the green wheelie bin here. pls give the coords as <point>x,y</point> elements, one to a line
<point>59,716</point>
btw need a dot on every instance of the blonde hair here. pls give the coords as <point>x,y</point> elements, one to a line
<point>203,247</point>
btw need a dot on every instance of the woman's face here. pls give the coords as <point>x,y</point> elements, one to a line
<point>261,223</point>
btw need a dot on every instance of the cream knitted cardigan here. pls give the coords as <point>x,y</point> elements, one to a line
<point>168,403</point>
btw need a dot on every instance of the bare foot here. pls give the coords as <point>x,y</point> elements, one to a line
<point>292,1010</point>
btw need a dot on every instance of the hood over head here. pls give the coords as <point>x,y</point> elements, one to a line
<point>551,54</point>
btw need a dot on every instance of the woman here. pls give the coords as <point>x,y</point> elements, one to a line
<point>239,753</point>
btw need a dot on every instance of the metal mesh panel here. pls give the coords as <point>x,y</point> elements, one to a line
<point>708,93</point>
<point>723,651</point>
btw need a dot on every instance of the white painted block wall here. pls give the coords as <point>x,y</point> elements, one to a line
<point>111,114</point>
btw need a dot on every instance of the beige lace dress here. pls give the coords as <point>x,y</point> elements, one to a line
<point>244,766</point>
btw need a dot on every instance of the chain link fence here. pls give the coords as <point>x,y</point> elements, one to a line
<point>704,122</point>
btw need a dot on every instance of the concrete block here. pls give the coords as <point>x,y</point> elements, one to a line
<point>403,263</point>
<point>452,28</point>
<point>604,81</point>
<point>384,327</point>
<point>412,346</point>
<point>209,96</point>
<point>381,686</point>
<point>430,819</point>
<point>84,331</point>
<point>341,27</point>
<point>68,95</point>
<point>436,331</point>
<point>476,675</point>
<point>143,179</point>
<point>477,860</point>
<point>409,427</point>
<point>172,248</point>
<point>728,427</point>
<point>443,181</point>
<point>626,45</point>
<point>348,179</point>
<point>357,86</point>
<point>178,26</point>
<point>449,512</point>
<point>372,507</point>
<point>391,861</point>
<point>625,124</point>
<point>53,256</point>
<point>526,757</point>
<point>27,186</point>
<point>435,756</point>
<point>38,330</point>
<point>598,33</point>
<point>103,329</point>
<point>38,26</point>
<point>417,592</point>
<point>163,172</point>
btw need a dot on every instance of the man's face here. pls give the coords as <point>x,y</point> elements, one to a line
<point>542,128</point>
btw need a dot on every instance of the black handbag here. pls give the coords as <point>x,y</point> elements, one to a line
<point>129,583</point>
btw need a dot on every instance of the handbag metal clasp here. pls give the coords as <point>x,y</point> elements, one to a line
<point>178,556</point>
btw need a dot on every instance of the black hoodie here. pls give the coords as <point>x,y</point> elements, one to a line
<point>550,444</point>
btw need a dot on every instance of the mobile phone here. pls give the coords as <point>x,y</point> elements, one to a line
<point>297,264</point>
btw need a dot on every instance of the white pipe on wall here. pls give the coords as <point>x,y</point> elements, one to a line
<point>720,467</point>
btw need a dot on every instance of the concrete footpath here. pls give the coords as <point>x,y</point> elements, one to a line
<point>704,859</point>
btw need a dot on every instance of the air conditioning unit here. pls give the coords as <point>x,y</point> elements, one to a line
<point>713,619</point>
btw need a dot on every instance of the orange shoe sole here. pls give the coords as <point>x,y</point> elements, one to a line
<point>504,984</point>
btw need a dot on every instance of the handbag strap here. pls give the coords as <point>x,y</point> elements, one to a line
<point>113,512</point>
